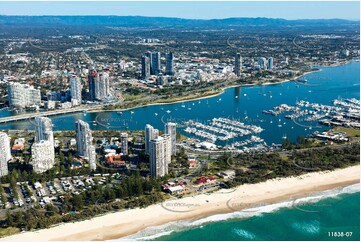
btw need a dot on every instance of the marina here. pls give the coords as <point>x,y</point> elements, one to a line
<point>334,83</point>
<point>220,129</point>
<point>344,112</point>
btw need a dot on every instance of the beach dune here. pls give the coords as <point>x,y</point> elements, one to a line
<point>124,223</point>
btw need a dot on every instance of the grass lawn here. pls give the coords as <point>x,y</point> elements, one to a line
<point>128,97</point>
<point>349,131</point>
<point>8,231</point>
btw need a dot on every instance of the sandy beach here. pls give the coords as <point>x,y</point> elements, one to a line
<point>124,223</point>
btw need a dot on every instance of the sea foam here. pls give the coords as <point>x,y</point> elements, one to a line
<point>166,229</point>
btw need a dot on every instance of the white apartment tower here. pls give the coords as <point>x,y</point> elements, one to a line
<point>42,151</point>
<point>262,62</point>
<point>167,149</point>
<point>159,156</point>
<point>124,143</point>
<point>171,129</point>
<point>42,154</point>
<point>150,133</point>
<point>5,153</point>
<point>102,89</point>
<point>44,129</point>
<point>75,90</point>
<point>23,95</point>
<point>84,143</point>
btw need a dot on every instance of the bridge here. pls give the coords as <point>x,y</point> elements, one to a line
<point>40,114</point>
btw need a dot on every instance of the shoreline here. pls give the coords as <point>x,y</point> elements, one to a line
<point>221,91</point>
<point>203,97</point>
<point>200,98</point>
<point>124,223</point>
<point>295,202</point>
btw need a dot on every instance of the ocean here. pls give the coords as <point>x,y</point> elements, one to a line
<point>329,215</point>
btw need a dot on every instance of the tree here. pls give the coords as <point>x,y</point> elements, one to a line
<point>286,143</point>
<point>77,202</point>
<point>301,140</point>
<point>61,157</point>
<point>24,176</point>
<point>9,218</point>
<point>70,157</point>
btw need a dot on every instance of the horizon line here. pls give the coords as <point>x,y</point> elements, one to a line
<point>204,19</point>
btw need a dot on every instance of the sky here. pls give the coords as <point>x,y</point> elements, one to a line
<point>191,10</point>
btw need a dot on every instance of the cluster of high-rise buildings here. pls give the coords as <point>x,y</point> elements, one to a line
<point>151,64</point>
<point>84,143</point>
<point>160,148</point>
<point>99,88</point>
<point>23,95</point>
<point>98,83</point>
<point>42,150</point>
<point>265,64</point>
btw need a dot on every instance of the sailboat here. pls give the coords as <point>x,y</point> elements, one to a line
<point>279,123</point>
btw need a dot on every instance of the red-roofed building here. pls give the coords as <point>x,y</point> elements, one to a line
<point>204,179</point>
<point>17,147</point>
<point>192,163</point>
<point>115,160</point>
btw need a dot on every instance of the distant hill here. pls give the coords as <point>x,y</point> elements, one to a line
<point>139,21</point>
